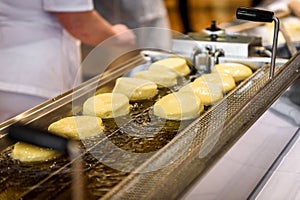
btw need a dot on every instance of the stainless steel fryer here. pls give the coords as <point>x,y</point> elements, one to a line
<point>178,158</point>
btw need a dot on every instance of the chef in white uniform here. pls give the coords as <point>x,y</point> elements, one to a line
<point>39,48</point>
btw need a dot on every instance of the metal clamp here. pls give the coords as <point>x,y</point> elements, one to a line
<point>204,60</point>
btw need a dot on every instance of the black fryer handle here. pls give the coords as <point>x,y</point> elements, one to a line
<point>37,137</point>
<point>256,15</point>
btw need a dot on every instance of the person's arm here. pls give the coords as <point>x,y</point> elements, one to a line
<point>91,28</point>
<point>295,7</point>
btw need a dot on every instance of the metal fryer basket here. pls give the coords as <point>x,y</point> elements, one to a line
<point>169,172</point>
<point>208,138</point>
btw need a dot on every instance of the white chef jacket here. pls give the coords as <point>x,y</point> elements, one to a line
<point>134,13</point>
<point>138,14</point>
<point>37,56</point>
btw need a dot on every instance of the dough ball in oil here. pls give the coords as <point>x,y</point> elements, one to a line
<point>237,70</point>
<point>29,153</point>
<point>178,106</point>
<point>225,81</point>
<point>77,127</point>
<point>107,105</point>
<point>162,79</point>
<point>135,88</point>
<point>208,93</point>
<point>177,64</point>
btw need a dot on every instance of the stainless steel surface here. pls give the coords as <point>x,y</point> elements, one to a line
<point>232,45</point>
<point>237,173</point>
<point>266,178</point>
<point>282,181</point>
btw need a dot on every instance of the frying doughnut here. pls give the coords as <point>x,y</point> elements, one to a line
<point>162,79</point>
<point>178,106</point>
<point>135,88</point>
<point>29,153</point>
<point>208,93</point>
<point>107,105</point>
<point>77,127</point>
<point>238,71</point>
<point>225,81</point>
<point>177,64</point>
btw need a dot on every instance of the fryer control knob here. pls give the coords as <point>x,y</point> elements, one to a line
<point>213,31</point>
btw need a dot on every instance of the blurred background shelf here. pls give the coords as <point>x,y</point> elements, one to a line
<point>202,12</point>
